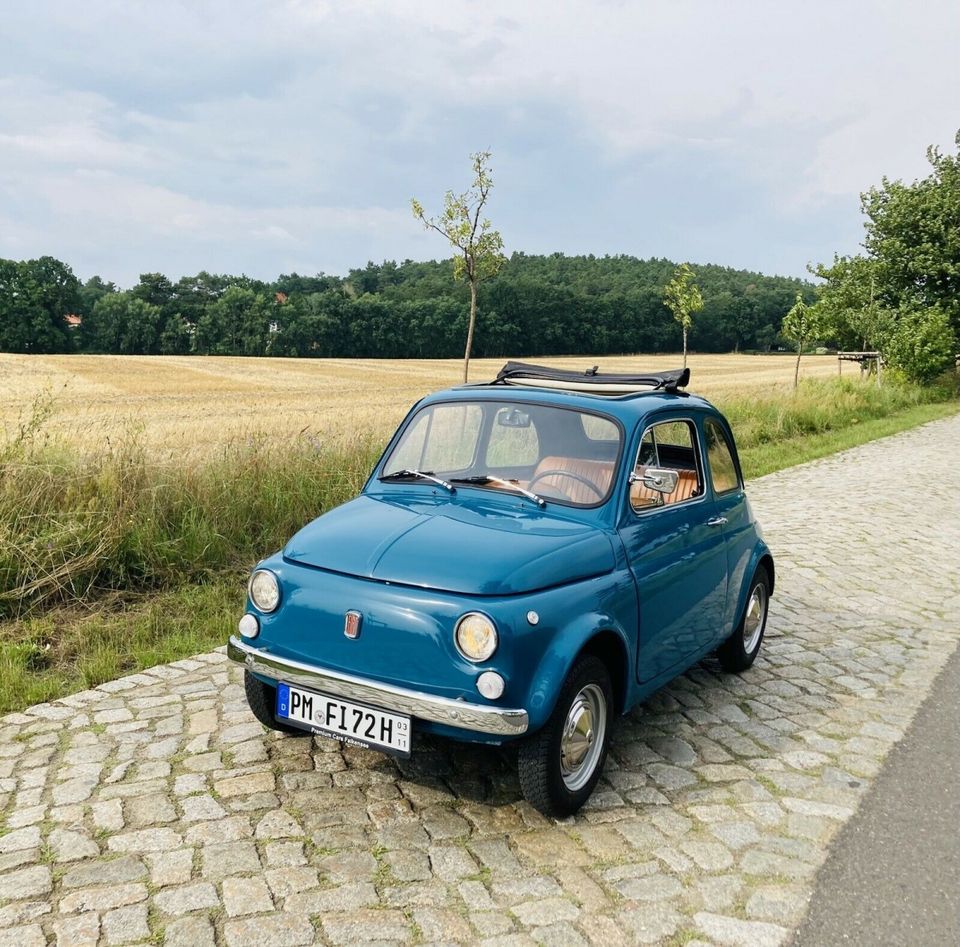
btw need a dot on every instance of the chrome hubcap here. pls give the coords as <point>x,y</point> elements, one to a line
<point>583,735</point>
<point>753,620</point>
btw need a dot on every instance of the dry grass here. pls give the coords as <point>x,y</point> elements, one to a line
<point>186,405</point>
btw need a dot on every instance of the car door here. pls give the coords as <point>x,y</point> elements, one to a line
<point>733,508</point>
<point>675,547</point>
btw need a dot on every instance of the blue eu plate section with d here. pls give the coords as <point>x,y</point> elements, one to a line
<point>283,700</point>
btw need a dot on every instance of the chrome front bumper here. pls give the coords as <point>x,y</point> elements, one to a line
<point>453,713</point>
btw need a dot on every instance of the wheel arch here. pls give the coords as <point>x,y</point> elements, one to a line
<point>609,647</point>
<point>766,560</point>
<point>594,634</point>
<point>761,557</point>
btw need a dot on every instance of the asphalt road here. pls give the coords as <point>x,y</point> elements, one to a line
<point>893,874</point>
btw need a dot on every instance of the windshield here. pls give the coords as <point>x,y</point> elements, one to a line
<point>561,455</point>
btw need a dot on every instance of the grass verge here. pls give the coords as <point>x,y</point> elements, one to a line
<point>761,459</point>
<point>113,563</point>
<point>69,649</point>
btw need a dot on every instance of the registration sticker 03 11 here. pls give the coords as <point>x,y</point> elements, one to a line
<point>345,720</point>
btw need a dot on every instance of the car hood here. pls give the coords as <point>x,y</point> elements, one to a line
<point>447,545</point>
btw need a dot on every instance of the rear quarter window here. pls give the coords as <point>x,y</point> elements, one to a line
<point>723,471</point>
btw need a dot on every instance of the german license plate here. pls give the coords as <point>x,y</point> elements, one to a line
<point>355,724</point>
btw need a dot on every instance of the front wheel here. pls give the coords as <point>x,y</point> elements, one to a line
<point>740,650</point>
<point>561,763</point>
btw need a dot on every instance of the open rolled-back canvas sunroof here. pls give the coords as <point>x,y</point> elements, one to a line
<point>591,381</point>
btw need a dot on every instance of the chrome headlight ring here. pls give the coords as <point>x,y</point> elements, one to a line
<point>264,590</point>
<point>476,637</point>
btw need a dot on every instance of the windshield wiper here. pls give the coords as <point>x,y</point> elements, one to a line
<point>420,475</point>
<point>509,484</point>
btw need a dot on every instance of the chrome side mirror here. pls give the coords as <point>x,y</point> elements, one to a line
<point>657,478</point>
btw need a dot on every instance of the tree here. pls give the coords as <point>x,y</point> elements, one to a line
<point>683,299</point>
<point>922,344</point>
<point>913,233</point>
<point>854,309</point>
<point>478,249</point>
<point>124,324</point>
<point>35,297</point>
<point>800,325</point>
<point>238,323</point>
<point>903,297</point>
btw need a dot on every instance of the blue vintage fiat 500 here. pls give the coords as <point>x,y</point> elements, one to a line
<point>529,558</point>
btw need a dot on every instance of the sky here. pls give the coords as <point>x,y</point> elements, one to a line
<point>289,135</point>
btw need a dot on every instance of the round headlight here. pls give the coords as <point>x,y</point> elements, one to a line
<point>476,637</point>
<point>264,590</point>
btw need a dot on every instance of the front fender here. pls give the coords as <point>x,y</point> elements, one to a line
<point>560,654</point>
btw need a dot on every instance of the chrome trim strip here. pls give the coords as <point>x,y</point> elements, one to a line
<point>453,713</point>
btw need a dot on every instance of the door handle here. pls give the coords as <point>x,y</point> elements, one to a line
<point>717,521</point>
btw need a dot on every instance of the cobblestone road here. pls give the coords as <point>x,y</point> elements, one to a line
<point>154,808</point>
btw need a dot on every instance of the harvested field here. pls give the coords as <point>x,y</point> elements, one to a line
<point>187,404</point>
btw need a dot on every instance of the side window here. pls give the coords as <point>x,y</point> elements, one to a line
<point>723,471</point>
<point>669,445</point>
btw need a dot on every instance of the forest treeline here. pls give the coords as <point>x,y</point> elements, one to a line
<point>537,305</point>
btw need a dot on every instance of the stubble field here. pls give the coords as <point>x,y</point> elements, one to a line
<point>186,405</point>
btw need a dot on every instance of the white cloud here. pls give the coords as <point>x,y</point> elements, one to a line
<point>298,130</point>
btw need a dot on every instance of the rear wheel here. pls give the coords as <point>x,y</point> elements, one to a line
<point>561,763</point>
<point>262,699</point>
<point>740,650</point>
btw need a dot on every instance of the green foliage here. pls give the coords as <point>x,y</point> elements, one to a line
<point>48,656</point>
<point>537,306</point>
<point>819,406</point>
<point>682,297</point>
<point>125,324</point>
<point>921,344</point>
<point>236,323</point>
<point>477,247</point>
<point>913,232</point>
<point>853,313</point>
<point>35,298</point>
<point>801,325</point>
<point>912,264</point>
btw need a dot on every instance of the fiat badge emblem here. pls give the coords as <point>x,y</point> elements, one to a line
<point>351,624</point>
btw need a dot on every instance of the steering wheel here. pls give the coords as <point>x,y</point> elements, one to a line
<point>589,484</point>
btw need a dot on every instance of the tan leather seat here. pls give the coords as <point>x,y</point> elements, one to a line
<point>599,472</point>
<point>688,485</point>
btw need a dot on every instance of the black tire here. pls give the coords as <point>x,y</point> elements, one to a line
<point>540,757</point>
<point>262,698</point>
<point>740,650</point>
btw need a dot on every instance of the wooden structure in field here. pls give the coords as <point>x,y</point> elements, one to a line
<point>866,361</point>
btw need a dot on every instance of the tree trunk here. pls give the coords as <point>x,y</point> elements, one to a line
<point>796,370</point>
<point>684,346</point>
<point>473,319</point>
